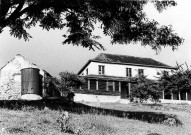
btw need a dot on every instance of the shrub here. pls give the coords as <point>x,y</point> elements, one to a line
<point>15,130</point>
<point>64,83</point>
<point>145,89</point>
<point>95,124</point>
<point>67,125</point>
<point>28,108</point>
<point>178,82</point>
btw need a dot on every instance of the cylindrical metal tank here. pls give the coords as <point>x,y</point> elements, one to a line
<point>30,81</point>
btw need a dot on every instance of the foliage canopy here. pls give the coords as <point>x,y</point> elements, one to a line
<point>145,89</point>
<point>123,20</point>
<point>68,80</point>
<point>64,83</point>
<point>179,81</point>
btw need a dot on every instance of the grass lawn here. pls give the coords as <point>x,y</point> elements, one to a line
<point>19,118</point>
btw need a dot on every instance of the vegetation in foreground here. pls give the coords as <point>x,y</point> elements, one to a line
<point>48,117</point>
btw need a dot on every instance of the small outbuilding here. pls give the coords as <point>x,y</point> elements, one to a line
<point>20,77</point>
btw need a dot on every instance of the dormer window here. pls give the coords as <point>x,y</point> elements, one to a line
<point>101,70</point>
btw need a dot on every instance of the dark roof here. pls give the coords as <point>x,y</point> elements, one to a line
<point>112,58</point>
<point>127,60</point>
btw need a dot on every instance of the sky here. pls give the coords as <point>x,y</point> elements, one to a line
<point>47,51</point>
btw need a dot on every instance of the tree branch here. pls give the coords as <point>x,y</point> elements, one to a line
<point>4,8</point>
<point>16,14</point>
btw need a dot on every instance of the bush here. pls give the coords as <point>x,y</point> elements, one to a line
<point>145,89</point>
<point>15,130</point>
<point>67,125</point>
<point>94,124</point>
<point>178,82</point>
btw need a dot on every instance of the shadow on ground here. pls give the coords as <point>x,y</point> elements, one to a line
<point>63,104</point>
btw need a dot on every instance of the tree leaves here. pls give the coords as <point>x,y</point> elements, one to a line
<point>123,20</point>
<point>80,30</point>
<point>161,5</point>
<point>68,80</point>
<point>145,88</point>
<point>18,31</point>
<point>51,21</point>
<point>179,81</point>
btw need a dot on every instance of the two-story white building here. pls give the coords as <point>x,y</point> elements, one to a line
<point>110,72</point>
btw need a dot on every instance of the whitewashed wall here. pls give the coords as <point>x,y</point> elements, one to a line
<point>10,77</point>
<point>120,70</point>
<point>95,98</point>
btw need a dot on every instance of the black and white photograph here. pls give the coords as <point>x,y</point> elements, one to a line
<point>95,67</point>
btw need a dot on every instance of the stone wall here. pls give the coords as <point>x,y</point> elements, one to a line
<point>11,89</point>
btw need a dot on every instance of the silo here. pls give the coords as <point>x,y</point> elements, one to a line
<point>30,81</point>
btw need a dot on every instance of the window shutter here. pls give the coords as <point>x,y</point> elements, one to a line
<point>103,70</point>
<point>130,73</point>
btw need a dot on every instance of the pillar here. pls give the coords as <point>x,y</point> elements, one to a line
<point>113,86</point>
<point>119,86</point>
<point>163,94</point>
<point>129,86</point>
<point>88,84</point>
<point>186,95</point>
<point>179,96</point>
<point>107,86</point>
<point>171,96</point>
<point>97,85</point>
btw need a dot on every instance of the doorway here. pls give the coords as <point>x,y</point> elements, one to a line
<point>124,90</point>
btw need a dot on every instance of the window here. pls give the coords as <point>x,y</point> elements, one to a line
<point>158,73</point>
<point>110,86</point>
<point>166,73</point>
<point>140,72</point>
<point>101,70</point>
<point>128,72</point>
<point>87,71</point>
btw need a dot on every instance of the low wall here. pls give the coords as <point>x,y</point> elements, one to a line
<point>113,99</point>
<point>175,101</point>
<point>95,98</point>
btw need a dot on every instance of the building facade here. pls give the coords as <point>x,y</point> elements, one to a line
<point>114,73</point>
